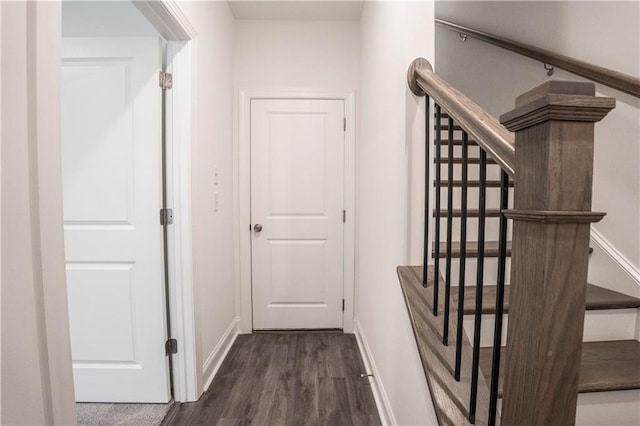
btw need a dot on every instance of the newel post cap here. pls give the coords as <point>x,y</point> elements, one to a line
<point>557,101</point>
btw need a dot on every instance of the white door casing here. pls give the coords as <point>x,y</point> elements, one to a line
<point>111,146</point>
<point>297,197</point>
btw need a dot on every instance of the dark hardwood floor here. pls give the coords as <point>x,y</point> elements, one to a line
<point>285,379</point>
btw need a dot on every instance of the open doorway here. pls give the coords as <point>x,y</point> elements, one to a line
<point>112,152</point>
<point>115,160</point>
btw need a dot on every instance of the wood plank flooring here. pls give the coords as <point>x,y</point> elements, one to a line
<point>287,378</point>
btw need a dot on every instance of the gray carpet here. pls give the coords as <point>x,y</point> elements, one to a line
<point>90,414</point>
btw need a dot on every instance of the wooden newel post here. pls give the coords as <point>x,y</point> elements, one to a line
<point>554,125</point>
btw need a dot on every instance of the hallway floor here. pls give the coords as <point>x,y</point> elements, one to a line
<point>287,378</point>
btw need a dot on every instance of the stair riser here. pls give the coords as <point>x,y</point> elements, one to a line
<point>618,408</point>
<point>609,408</point>
<point>615,324</point>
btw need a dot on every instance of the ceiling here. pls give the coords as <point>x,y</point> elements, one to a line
<point>300,10</point>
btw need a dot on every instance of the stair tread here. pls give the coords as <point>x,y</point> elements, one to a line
<point>458,160</point>
<point>445,127</point>
<point>472,183</point>
<point>470,213</point>
<point>598,298</point>
<point>605,366</point>
<point>490,249</point>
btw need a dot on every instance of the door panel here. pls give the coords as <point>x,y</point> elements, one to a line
<point>111,145</point>
<point>96,291</point>
<point>297,167</point>
<point>297,271</point>
<point>98,142</point>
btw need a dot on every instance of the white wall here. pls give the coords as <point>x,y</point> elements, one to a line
<point>392,34</point>
<point>212,144</point>
<point>604,33</point>
<point>0,205</point>
<point>37,381</point>
<point>104,19</point>
<point>296,54</point>
<point>21,365</point>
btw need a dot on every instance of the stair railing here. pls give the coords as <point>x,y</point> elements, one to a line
<point>550,158</point>
<point>624,82</point>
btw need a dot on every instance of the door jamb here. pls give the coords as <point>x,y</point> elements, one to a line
<point>169,20</point>
<point>187,380</point>
<point>242,161</point>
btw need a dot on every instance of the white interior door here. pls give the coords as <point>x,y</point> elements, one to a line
<point>297,175</point>
<point>111,140</point>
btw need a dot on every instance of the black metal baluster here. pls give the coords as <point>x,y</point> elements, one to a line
<point>447,286</point>
<point>463,253</point>
<point>436,243</point>
<point>427,213</point>
<point>479,286</point>
<point>497,333</point>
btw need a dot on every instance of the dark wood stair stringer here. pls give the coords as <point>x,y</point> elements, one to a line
<point>450,398</point>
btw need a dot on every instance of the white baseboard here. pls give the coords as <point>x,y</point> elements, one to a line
<point>621,261</point>
<point>217,355</point>
<point>382,401</point>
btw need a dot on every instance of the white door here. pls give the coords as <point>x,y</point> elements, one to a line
<point>111,144</point>
<point>297,174</point>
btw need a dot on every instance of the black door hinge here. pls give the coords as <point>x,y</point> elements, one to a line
<point>342,305</point>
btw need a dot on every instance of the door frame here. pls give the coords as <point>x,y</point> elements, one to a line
<point>44,28</point>
<point>242,215</point>
<point>169,20</point>
<point>186,376</point>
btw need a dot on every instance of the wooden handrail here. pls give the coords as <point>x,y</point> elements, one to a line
<point>552,151</point>
<point>484,128</point>
<point>624,82</point>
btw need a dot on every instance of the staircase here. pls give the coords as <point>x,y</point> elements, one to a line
<point>606,366</point>
<point>556,347</point>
